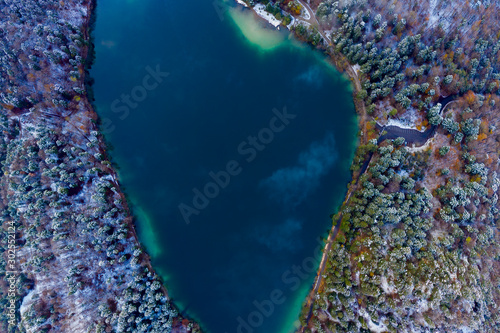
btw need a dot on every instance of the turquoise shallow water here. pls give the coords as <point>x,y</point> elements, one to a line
<point>234,143</point>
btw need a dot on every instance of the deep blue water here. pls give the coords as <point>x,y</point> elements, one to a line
<point>196,98</point>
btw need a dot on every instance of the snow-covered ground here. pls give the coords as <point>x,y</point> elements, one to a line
<point>388,289</point>
<point>371,325</point>
<point>329,32</point>
<point>414,149</point>
<point>27,300</point>
<point>401,124</point>
<point>437,17</point>
<point>376,328</point>
<point>305,13</point>
<point>422,305</point>
<point>292,23</point>
<point>260,9</point>
<point>75,16</point>
<point>242,3</point>
<point>299,21</point>
<point>433,18</point>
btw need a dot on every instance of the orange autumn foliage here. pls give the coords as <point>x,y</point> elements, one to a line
<point>470,97</point>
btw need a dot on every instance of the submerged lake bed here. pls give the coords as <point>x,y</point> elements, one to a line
<point>234,143</point>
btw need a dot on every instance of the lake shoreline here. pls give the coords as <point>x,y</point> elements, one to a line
<point>181,321</point>
<point>350,71</point>
<point>302,77</point>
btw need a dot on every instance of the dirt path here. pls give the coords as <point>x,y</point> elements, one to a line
<point>311,298</point>
<point>350,70</point>
<point>360,105</point>
<point>314,22</point>
<point>319,277</point>
<point>352,73</point>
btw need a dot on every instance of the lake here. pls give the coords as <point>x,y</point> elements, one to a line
<point>233,143</point>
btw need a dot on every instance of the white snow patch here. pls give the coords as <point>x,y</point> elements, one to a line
<point>437,233</point>
<point>380,328</point>
<point>440,17</point>
<point>385,286</point>
<point>304,23</point>
<point>27,300</point>
<point>76,15</point>
<point>108,177</point>
<point>414,149</point>
<point>422,305</point>
<point>410,116</point>
<point>403,173</point>
<point>402,124</point>
<point>305,13</point>
<point>292,23</point>
<point>329,315</point>
<point>433,18</point>
<point>242,3</point>
<point>260,9</point>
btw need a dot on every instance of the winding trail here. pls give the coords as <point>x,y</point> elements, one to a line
<point>314,21</point>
